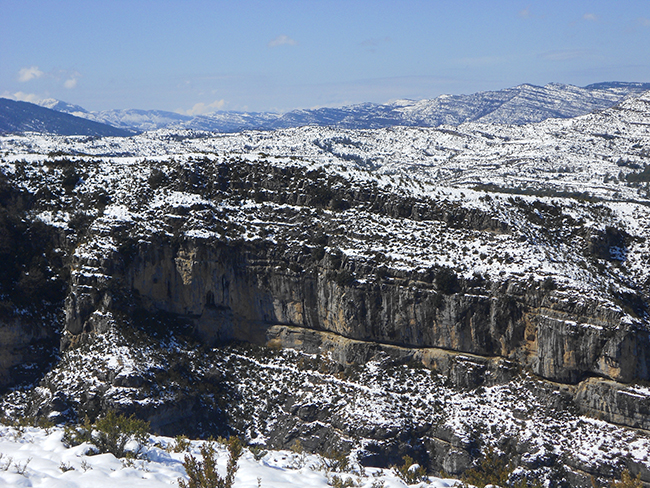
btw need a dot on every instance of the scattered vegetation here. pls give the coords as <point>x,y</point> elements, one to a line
<point>639,176</point>
<point>496,469</point>
<point>335,461</point>
<point>181,444</point>
<point>7,462</point>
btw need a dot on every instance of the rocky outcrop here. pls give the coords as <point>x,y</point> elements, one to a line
<point>615,402</point>
<point>191,243</point>
<point>32,288</point>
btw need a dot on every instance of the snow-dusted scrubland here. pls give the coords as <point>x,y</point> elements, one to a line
<point>35,457</point>
<point>515,258</point>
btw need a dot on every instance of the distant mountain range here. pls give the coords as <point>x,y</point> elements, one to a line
<point>518,105</point>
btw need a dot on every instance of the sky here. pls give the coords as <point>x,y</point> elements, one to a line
<point>200,56</point>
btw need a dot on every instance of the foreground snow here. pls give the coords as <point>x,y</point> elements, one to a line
<point>34,457</point>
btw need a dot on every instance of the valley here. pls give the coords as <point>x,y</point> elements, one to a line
<point>423,291</point>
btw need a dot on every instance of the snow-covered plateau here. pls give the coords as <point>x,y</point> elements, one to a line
<point>441,293</point>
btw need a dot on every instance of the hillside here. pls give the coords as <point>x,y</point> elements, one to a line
<point>432,292</point>
<point>28,117</point>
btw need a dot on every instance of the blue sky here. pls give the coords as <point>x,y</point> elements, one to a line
<point>196,56</point>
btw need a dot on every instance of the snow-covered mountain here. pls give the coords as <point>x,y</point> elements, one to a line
<point>28,117</point>
<point>141,120</point>
<point>519,105</point>
<point>61,106</point>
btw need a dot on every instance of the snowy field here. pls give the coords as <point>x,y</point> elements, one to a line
<point>34,457</point>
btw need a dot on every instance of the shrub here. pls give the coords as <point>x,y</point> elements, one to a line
<point>549,284</point>
<point>492,470</point>
<point>339,482</point>
<point>447,281</point>
<point>344,278</point>
<point>302,455</point>
<point>157,178</point>
<point>70,179</point>
<point>410,472</point>
<point>318,253</point>
<point>258,452</point>
<point>110,434</point>
<point>75,435</point>
<point>336,461</point>
<point>114,431</point>
<point>203,474</point>
<point>627,481</point>
<point>496,469</point>
<point>181,444</point>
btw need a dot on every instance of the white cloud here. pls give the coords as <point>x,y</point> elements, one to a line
<point>26,74</point>
<point>202,108</point>
<point>22,97</point>
<point>70,83</point>
<point>590,17</point>
<point>525,13</point>
<point>282,41</point>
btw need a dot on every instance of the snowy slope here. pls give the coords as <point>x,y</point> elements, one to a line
<point>33,457</point>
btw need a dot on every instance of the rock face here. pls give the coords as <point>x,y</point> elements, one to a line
<point>248,293</point>
<point>296,278</point>
<point>238,292</point>
<point>27,347</point>
<point>32,289</point>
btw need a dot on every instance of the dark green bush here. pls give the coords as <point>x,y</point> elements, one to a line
<point>410,472</point>
<point>114,431</point>
<point>336,461</point>
<point>447,281</point>
<point>111,434</point>
<point>157,178</point>
<point>494,469</point>
<point>70,179</point>
<point>344,278</point>
<point>204,474</point>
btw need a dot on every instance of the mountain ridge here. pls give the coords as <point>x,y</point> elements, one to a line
<point>519,105</point>
<point>18,116</point>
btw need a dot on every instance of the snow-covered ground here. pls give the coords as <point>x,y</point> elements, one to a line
<point>35,457</point>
